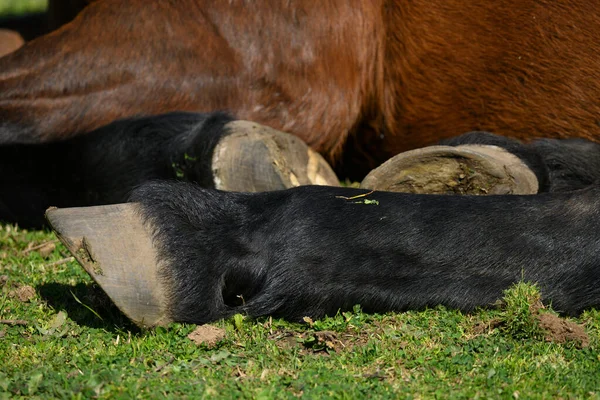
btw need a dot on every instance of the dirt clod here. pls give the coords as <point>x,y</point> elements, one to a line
<point>540,323</point>
<point>559,330</point>
<point>208,335</point>
<point>329,340</point>
<point>24,293</point>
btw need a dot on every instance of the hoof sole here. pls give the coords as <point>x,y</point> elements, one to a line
<point>467,169</point>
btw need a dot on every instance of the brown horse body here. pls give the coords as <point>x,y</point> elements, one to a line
<point>365,78</point>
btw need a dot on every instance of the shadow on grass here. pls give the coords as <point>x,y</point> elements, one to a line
<point>64,297</point>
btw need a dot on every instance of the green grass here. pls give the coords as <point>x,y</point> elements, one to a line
<point>18,7</point>
<point>435,353</point>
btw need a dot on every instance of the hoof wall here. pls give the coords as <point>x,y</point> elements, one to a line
<point>256,158</point>
<point>115,248</point>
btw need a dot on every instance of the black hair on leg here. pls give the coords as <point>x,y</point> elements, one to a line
<point>103,166</point>
<point>572,163</point>
<point>311,251</point>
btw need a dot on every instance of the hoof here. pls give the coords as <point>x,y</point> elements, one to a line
<point>467,169</point>
<point>256,158</point>
<point>9,41</point>
<point>115,248</point>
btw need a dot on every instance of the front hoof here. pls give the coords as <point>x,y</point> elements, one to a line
<point>256,158</point>
<point>116,249</point>
<point>467,169</point>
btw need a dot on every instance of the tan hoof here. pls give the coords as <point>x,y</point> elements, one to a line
<point>115,248</point>
<point>9,41</point>
<point>467,169</point>
<point>256,158</point>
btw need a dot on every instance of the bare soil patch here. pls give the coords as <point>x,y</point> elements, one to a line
<point>208,335</point>
<point>559,330</point>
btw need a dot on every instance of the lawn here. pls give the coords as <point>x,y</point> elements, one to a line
<point>60,337</point>
<point>17,7</point>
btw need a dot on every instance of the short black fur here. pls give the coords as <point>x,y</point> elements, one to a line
<point>103,166</point>
<point>311,251</point>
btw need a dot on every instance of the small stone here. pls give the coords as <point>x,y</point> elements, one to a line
<point>208,335</point>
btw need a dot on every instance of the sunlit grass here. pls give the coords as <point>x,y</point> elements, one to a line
<point>18,7</point>
<point>64,350</point>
